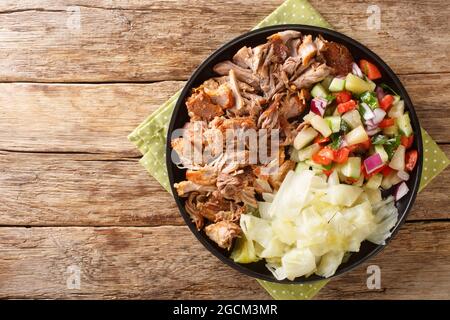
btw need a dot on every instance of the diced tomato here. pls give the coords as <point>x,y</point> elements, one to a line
<point>369,69</point>
<point>327,152</point>
<point>361,147</point>
<point>364,172</point>
<point>388,122</point>
<point>407,141</point>
<point>378,170</point>
<point>320,139</point>
<point>325,156</point>
<point>410,159</point>
<point>346,106</point>
<point>386,102</point>
<point>341,155</point>
<point>321,160</point>
<point>327,172</point>
<point>343,96</point>
<point>366,144</point>
<point>386,171</point>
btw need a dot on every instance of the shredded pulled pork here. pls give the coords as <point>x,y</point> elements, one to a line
<point>264,88</point>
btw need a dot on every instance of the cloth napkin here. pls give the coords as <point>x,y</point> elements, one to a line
<point>150,138</point>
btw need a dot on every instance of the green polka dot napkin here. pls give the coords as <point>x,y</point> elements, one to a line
<point>150,138</point>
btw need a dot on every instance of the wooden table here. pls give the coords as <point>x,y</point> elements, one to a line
<point>73,195</point>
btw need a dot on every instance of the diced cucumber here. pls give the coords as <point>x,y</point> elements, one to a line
<point>372,85</point>
<point>391,131</point>
<point>383,154</point>
<point>351,168</point>
<point>356,85</point>
<point>353,118</point>
<point>319,91</point>
<point>309,116</point>
<point>357,135</point>
<point>334,122</point>
<point>318,123</point>
<point>327,81</point>
<point>386,183</point>
<point>389,180</point>
<point>374,195</point>
<point>337,85</point>
<point>375,181</point>
<point>396,99</point>
<point>404,124</point>
<point>314,165</point>
<point>336,112</point>
<point>394,178</point>
<point>397,109</point>
<point>362,197</point>
<point>293,154</point>
<point>398,160</point>
<point>304,137</point>
<point>333,179</point>
<point>344,127</point>
<point>308,152</point>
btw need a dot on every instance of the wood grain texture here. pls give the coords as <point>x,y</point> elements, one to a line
<point>165,40</point>
<point>96,118</point>
<point>99,190</point>
<point>72,189</point>
<point>168,263</point>
<point>77,117</point>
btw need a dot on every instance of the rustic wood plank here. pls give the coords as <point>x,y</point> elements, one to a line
<point>165,40</point>
<point>431,102</point>
<point>148,263</point>
<point>137,263</point>
<point>80,118</point>
<point>96,190</point>
<point>96,118</point>
<point>71,189</point>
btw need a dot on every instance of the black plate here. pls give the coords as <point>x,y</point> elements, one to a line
<point>254,38</point>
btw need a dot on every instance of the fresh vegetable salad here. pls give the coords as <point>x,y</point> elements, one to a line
<point>359,131</point>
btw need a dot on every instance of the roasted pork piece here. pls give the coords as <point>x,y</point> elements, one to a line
<point>262,90</point>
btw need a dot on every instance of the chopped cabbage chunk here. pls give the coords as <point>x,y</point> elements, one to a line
<point>311,224</point>
<point>244,251</point>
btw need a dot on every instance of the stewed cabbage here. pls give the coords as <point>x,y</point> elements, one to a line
<point>311,223</point>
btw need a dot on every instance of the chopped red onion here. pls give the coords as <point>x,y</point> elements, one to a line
<point>343,143</point>
<point>370,124</point>
<point>379,116</point>
<point>380,93</point>
<point>403,175</point>
<point>356,70</point>
<point>318,106</point>
<point>373,163</point>
<point>401,190</point>
<point>368,113</point>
